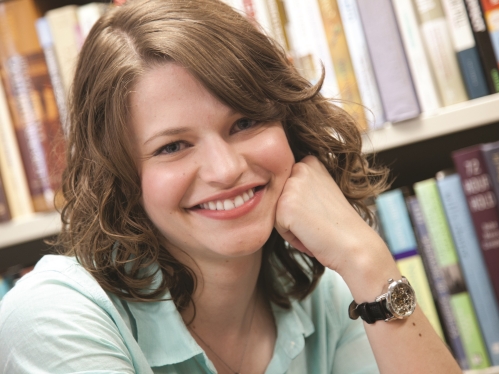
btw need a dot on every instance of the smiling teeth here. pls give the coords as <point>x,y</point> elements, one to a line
<point>229,204</point>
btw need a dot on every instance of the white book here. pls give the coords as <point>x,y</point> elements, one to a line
<point>361,62</point>
<point>12,171</point>
<point>459,25</point>
<point>65,32</point>
<point>422,76</point>
<point>436,34</point>
<point>262,16</point>
<point>277,24</point>
<point>309,46</point>
<point>88,14</point>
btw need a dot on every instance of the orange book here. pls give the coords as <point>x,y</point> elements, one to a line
<point>31,101</point>
<point>342,62</point>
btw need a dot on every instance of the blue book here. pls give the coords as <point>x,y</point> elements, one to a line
<point>440,288</point>
<point>402,243</point>
<point>471,261</point>
<point>472,71</point>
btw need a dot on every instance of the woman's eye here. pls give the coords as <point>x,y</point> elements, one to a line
<point>244,124</point>
<point>172,148</point>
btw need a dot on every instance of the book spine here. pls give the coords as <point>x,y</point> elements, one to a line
<point>491,12</point>
<point>441,240</point>
<point>87,15</point>
<point>424,82</point>
<point>482,202</point>
<point>47,44</point>
<point>402,243</point>
<point>262,16</point>
<point>471,260</point>
<point>278,20</point>
<point>342,63</point>
<point>361,62</point>
<point>490,153</point>
<point>301,37</point>
<point>464,45</point>
<point>31,100</point>
<point>435,31</point>
<point>311,11</point>
<point>4,206</point>
<point>11,164</point>
<point>66,36</point>
<point>483,43</point>
<point>438,284</point>
<point>389,61</point>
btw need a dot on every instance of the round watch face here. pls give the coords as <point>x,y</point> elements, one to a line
<point>401,300</point>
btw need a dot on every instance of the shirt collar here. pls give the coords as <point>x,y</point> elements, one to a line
<point>165,340</point>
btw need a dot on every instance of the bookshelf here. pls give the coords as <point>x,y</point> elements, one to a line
<point>414,149</point>
<point>444,121</point>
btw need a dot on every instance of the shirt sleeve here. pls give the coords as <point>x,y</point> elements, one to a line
<point>46,326</point>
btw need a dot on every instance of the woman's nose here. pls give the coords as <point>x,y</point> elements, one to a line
<point>222,163</point>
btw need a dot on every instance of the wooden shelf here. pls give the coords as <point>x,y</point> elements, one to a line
<point>490,370</point>
<point>34,227</point>
<point>454,118</point>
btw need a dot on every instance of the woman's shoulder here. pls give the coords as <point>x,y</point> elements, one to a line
<point>57,311</point>
<point>45,282</point>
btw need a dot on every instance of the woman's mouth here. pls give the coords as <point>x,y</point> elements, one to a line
<point>232,203</point>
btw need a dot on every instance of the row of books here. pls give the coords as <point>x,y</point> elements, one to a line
<point>37,57</point>
<point>398,58</point>
<point>445,239</point>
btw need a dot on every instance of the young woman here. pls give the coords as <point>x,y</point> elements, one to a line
<point>196,154</point>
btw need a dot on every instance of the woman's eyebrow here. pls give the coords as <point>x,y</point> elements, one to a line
<point>167,132</point>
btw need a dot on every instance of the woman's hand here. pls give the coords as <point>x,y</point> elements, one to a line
<point>314,216</point>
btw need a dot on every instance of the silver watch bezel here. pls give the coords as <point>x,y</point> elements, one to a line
<point>392,286</point>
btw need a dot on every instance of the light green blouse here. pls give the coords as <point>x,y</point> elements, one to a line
<point>57,319</point>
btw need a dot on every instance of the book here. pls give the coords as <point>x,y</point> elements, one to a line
<point>471,260</point>
<point>31,101</point>
<point>399,234</point>
<point>465,47</point>
<point>389,62</point>
<point>438,283</point>
<point>443,244</point>
<point>361,62</point>
<point>87,15</point>
<point>4,287</point>
<point>437,38</point>
<point>491,13</point>
<point>278,21</point>
<point>419,65</point>
<point>47,44</point>
<point>483,43</point>
<point>490,153</point>
<point>4,206</point>
<point>67,40</point>
<point>482,202</point>
<point>11,165</point>
<point>309,44</point>
<point>342,62</point>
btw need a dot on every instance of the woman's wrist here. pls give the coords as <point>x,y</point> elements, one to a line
<point>366,270</point>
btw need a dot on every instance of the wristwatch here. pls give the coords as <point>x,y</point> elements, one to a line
<point>398,302</point>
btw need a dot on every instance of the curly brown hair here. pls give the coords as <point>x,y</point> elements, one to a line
<point>105,226</point>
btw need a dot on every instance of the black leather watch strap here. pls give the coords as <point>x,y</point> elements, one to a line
<point>369,312</point>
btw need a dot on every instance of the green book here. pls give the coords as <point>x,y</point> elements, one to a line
<point>445,251</point>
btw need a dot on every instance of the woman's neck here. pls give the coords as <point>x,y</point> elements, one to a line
<point>225,292</point>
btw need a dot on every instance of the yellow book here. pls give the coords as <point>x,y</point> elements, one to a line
<point>345,75</point>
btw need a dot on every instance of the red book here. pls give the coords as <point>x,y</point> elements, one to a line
<point>31,101</point>
<point>482,202</point>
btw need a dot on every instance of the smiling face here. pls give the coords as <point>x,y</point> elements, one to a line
<point>210,177</point>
